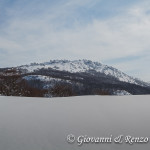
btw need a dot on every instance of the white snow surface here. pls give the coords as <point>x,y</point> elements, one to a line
<point>83,66</point>
<point>43,124</point>
<point>121,93</point>
<point>50,82</point>
<point>41,77</point>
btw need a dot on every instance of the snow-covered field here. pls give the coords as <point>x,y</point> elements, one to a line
<point>43,124</point>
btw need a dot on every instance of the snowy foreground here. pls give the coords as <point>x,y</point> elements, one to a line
<point>43,124</point>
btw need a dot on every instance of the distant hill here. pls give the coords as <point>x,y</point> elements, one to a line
<point>58,78</point>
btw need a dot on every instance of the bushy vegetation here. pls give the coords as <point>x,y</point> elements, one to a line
<point>14,85</point>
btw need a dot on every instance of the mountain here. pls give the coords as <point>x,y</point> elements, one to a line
<point>83,66</point>
<point>69,78</point>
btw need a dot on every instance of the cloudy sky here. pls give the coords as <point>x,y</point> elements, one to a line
<point>113,32</point>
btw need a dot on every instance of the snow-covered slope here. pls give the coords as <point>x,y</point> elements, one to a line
<point>48,81</point>
<point>83,66</point>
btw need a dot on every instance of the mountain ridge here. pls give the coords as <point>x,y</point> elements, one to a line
<point>84,65</point>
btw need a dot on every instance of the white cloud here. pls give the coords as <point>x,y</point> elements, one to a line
<point>124,35</point>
